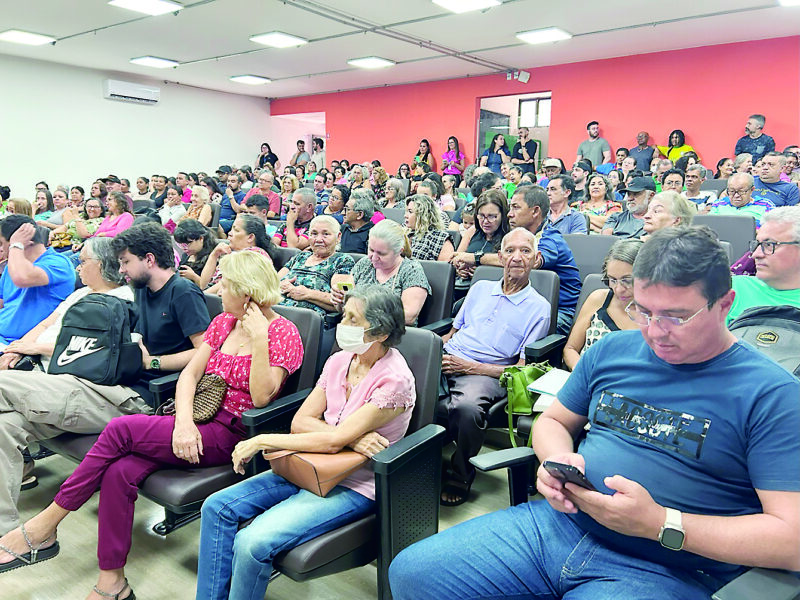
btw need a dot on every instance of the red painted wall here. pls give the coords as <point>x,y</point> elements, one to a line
<point>707,92</point>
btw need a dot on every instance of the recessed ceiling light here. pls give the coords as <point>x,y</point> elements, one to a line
<point>25,37</point>
<point>462,6</point>
<point>371,62</point>
<point>155,62</point>
<point>543,36</point>
<point>148,7</point>
<point>250,79</point>
<point>278,39</point>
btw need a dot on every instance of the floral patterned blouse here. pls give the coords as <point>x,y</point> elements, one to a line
<point>315,277</point>
<point>285,350</point>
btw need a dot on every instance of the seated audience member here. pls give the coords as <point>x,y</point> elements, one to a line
<point>672,181</point>
<point>604,310</point>
<point>551,168</point>
<point>320,191</point>
<point>629,223</point>
<point>395,194</point>
<point>294,233</point>
<point>467,219</point>
<point>768,182</point>
<point>403,171</point>
<point>776,252</point>
<point>142,189</point>
<point>724,168</point>
<point>755,141</point>
<point>61,209</point>
<point>197,242</point>
<point>231,203</point>
<point>247,233</point>
<point>173,209</point>
<point>490,332</point>
<point>599,203</point>
<point>677,146</point>
<point>236,562</point>
<point>643,152</point>
<point>199,208</point>
<point>159,193</point>
<point>513,179</point>
<point>389,264</point>
<point>562,216</point>
<point>118,218</point>
<point>743,163</point>
<point>305,281</point>
<point>693,179</point>
<point>481,244</point>
<point>172,316</point>
<point>83,226</point>
<point>19,206</point>
<point>425,230</point>
<point>258,206</point>
<point>380,178</point>
<point>643,533</point>
<point>528,209</point>
<point>667,209</point>
<point>337,198</point>
<point>264,188</point>
<point>99,273</point>
<point>369,195</point>
<point>251,347</point>
<point>357,223</point>
<point>448,199</point>
<point>740,200</point>
<point>359,178</point>
<point>43,207</point>
<point>686,161</point>
<point>580,172</point>
<point>35,280</point>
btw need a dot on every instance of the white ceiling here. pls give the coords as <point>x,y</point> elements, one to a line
<point>210,37</point>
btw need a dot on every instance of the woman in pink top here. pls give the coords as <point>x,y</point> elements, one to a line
<point>453,159</point>
<point>252,348</point>
<point>363,400</point>
<point>119,216</point>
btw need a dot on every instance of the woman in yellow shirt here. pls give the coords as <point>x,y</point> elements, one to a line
<point>677,146</point>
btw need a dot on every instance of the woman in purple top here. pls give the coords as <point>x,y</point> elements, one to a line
<point>363,400</point>
<point>453,159</point>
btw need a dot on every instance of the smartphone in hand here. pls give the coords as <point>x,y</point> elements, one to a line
<point>568,474</point>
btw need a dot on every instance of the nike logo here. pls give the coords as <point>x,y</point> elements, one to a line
<point>78,347</point>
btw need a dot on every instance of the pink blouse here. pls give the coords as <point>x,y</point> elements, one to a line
<point>389,384</point>
<point>112,225</point>
<point>285,350</point>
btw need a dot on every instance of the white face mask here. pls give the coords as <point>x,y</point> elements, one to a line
<point>351,339</point>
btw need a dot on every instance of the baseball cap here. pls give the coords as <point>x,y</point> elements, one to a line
<point>225,169</point>
<point>551,162</point>
<point>111,179</point>
<point>585,165</point>
<point>639,184</point>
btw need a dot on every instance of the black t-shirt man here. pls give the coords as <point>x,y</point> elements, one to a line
<point>531,147</point>
<point>355,241</point>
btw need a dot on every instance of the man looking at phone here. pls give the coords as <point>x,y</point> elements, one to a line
<point>693,447</point>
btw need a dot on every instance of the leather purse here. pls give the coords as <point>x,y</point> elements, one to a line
<point>316,472</point>
<point>208,398</point>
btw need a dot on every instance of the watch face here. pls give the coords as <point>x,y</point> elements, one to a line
<point>672,538</point>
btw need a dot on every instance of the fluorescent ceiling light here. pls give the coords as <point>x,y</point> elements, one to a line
<point>25,37</point>
<point>155,62</point>
<point>250,79</point>
<point>462,6</point>
<point>371,62</point>
<point>278,39</point>
<point>148,7</point>
<point>543,36</point>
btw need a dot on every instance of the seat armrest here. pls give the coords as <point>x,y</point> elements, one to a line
<point>331,320</point>
<point>256,418</point>
<point>761,583</point>
<point>440,327</point>
<point>164,384</point>
<point>395,456</point>
<point>501,459</point>
<point>537,350</point>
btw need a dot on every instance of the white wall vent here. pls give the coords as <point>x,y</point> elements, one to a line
<point>126,91</point>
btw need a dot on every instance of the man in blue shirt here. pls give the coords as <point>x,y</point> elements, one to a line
<point>769,185</point>
<point>754,141</point>
<point>490,332</point>
<point>35,281</point>
<point>231,203</point>
<point>562,216</point>
<point>643,152</point>
<point>692,452</point>
<point>528,209</point>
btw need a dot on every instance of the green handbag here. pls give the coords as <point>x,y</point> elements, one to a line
<point>520,401</point>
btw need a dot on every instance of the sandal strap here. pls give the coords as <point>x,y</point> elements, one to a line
<point>114,596</point>
<point>34,550</point>
<point>14,554</point>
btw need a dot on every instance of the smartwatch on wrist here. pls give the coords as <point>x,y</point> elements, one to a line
<point>155,363</point>
<point>672,535</point>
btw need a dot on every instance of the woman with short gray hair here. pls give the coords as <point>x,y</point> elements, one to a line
<point>668,209</point>
<point>395,194</point>
<point>99,273</point>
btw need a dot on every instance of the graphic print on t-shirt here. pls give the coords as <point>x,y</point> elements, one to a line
<point>664,428</point>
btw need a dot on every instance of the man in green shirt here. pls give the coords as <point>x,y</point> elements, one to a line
<point>776,253</point>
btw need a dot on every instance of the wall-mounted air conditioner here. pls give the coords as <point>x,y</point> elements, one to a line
<point>126,91</point>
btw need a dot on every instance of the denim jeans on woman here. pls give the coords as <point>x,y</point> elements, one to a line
<point>531,551</point>
<point>237,564</point>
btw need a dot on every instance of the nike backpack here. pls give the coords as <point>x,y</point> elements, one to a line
<point>775,331</point>
<point>95,342</point>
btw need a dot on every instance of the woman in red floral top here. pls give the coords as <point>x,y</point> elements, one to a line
<point>252,348</point>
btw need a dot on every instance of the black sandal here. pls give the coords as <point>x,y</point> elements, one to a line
<point>457,488</point>
<point>37,554</point>
<point>127,586</point>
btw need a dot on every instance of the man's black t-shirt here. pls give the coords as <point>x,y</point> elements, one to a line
<point>355,241</point>
<point>531,147</point>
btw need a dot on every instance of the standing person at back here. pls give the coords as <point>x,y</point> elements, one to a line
<point>523,154</point>
<point>596,149</point>
<point>754,141</point>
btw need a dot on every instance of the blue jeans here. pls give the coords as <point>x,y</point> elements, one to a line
<point>237,564</point>
<point>534,552</point>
